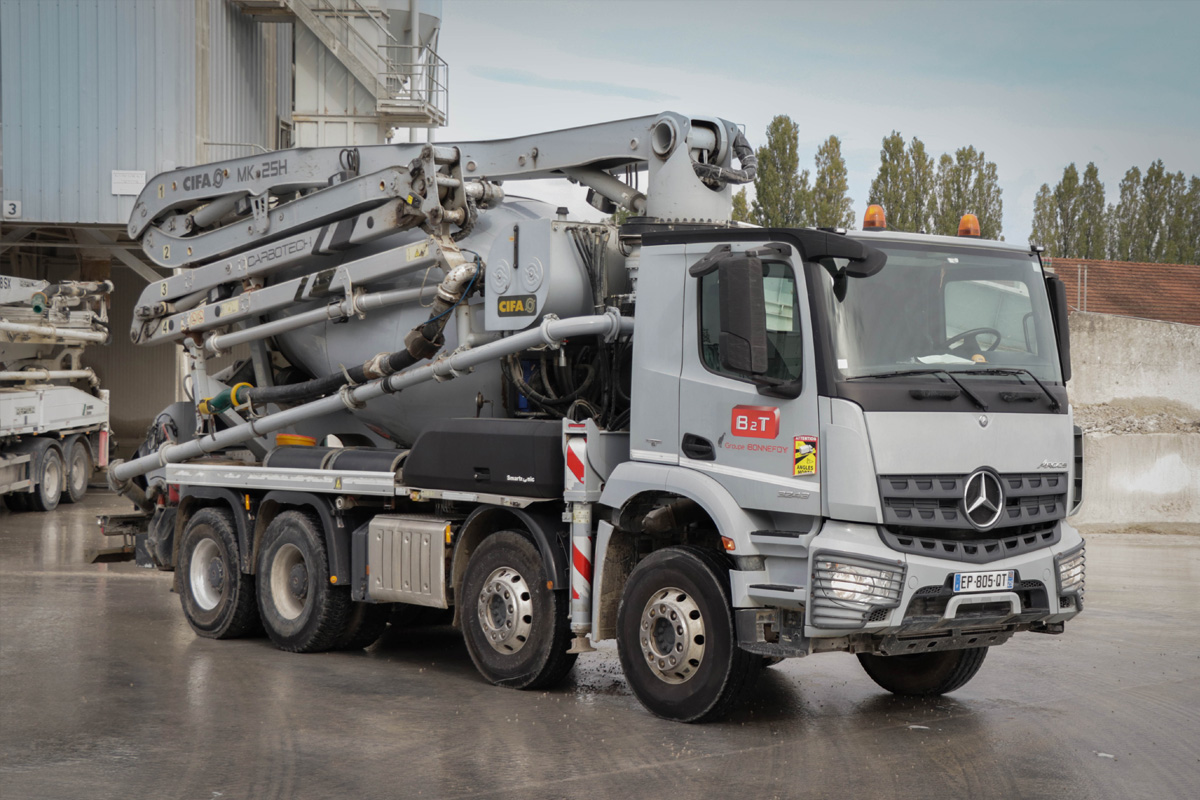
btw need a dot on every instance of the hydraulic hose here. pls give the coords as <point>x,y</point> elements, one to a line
<point>746,159</point>
<point>421,342</point>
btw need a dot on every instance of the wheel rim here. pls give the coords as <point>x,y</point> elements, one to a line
<point>506,610</point>
<point>289,581</point>
<point>672,635</point>
<point>207,574</point>
<point>79,468</point>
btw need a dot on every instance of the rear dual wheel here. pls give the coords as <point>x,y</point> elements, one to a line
<point>217,597</point>
<point>78,471</point>
<point>301,610</point>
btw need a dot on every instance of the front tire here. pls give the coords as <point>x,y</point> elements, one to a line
<point>676,639</point>
<point>300,610</point>
<point>924,674</point>
<point>79,471</point>
<point>516,630</point>
<point>49,487</point>
<point>217,597</point>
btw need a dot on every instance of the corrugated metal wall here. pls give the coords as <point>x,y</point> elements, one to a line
<point>92,86</point>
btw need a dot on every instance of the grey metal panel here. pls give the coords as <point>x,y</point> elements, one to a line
<point>90,86</point>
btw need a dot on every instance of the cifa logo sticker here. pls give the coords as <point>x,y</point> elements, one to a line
<point>804,458</point>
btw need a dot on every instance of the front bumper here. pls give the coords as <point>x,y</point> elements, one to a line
<point>909,605</point>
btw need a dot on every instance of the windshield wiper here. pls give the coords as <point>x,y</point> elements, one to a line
<point>905,372</point>
<point>1016,372</point>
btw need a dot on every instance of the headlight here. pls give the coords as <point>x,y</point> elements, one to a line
<point>1070,572</point>
<point>845,589</point>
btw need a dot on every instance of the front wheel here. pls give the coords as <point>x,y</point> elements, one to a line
<point>217,598</point>
<point>515,628</point>
<point>49,487</point>
<point>675,636</point>
<point>924,674</point>
<point>301,611</point>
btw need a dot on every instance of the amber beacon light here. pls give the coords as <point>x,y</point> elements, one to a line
<point>874,219</point>
<point>969,226</point>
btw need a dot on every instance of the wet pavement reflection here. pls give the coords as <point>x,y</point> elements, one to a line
<point>106,693</point>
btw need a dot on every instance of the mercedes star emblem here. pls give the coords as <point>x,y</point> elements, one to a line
<point>983,420</point>
<point>983,499</point>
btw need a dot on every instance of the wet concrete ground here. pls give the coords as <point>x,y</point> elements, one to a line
<point>106,693</point>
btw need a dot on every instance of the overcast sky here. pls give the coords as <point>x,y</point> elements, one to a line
<point>1035,85</point>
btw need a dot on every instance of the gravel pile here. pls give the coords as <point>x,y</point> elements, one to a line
<point>1140,415</point>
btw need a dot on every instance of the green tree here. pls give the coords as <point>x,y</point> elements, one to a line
<point>967,183</point>
<point>831,207</point>
<point>1091,239</point>
<point>783,196</point>
<point>1045,221</point>
<point>1184,244</point>
<point>741,207</point>
<point>1157,188</point>
<point>922,188</point>
<point>1066,212</point>
<point>1125,219</point>
<point>892,181</point>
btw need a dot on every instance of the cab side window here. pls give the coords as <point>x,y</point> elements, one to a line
<point>784,340</point>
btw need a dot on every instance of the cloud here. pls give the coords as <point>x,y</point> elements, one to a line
<point>522,77</point>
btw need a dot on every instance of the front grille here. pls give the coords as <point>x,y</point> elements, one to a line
<point>968,545</point>
<point>936,501</point>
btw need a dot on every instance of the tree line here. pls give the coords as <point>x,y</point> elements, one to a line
<point>918,193</point>
<point>1156,217</point>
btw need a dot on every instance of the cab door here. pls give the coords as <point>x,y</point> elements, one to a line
<point>755,432</point>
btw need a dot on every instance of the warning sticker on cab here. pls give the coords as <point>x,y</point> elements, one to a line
<point>804,458</point>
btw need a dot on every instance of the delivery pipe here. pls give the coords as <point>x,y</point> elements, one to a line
<point>221,342</point>
<point>551,331</point>
<point>65,334</point>
<point>50,375</point>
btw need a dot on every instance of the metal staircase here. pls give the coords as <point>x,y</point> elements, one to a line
<point>407,78</point>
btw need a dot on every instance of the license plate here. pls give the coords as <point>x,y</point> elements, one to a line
<point>983,581</point>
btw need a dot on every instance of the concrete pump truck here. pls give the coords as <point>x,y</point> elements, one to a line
<point>719,445</point>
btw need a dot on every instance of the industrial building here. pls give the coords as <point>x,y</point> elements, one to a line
<point>97,96</point>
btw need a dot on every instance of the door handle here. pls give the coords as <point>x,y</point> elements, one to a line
<point>698,448</point>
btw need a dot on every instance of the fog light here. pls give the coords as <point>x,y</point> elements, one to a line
<point>845,589</point>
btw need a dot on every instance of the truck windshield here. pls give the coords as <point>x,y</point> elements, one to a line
<point>957,308</point>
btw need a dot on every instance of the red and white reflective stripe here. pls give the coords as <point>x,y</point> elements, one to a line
<point>576,453</point>
<point>581,569</point>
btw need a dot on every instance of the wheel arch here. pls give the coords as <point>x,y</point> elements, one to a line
<point>633,489</point>
<point>195,498</point>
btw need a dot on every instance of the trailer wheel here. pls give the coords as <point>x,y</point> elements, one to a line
<point>924,674</point>
<point>365,623</point>
<point>79,471</point>
<point>517,630</point>
<point>217,598</point>
<point>49,487</point>
<point>676,640</point>
<point>301,611</point>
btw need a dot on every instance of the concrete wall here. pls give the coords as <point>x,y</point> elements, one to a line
<point>1117,358</point>
<point>1148,372</point>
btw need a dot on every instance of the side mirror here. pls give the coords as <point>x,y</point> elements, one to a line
<point>1056,290</point>
<point>743,345</point>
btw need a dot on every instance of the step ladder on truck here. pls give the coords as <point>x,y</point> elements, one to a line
<point>717,444</point>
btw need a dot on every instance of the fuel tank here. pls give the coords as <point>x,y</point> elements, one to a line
<point>532,262</point>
